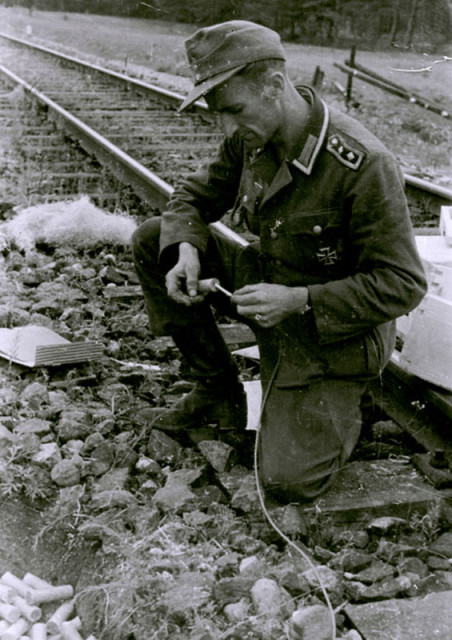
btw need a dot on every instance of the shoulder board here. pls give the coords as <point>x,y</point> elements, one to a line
<point>344,152</point>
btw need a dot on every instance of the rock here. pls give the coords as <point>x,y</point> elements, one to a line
<point>244,543</point>
<point>391,551</point>
<point>92,441</point>
<point>217,453</point>
<point>147,465</point>
<point>48,455</point>
<point>251,566</point>
<point>162,448</point>
<point>125,454</point>
<point>327,576</point>
<point>378,570</point>
<point>113,479</point>
<point>176,494</point>
<point>290,579</point>
<point>352,635</point>
<point>382,590</point>
<point>386,525</point>
<point>290,520</point>
<point>230,590</point>
<point>207,495</point>
<point>73,425</point>
<point>311,623</point>
<point>351,560</point>
<point>100,459</point>
<point>443,545</point>
<point>115,498</point>
<point>35,394</point>
<point>6,437</point>
<point>191,591</point>
<point>232,480</point>
<point>246,498</point>
<point>237,611</point>
<point>28,443</point>
<point>414,566</point>
<point>435,563</point>
<point>149,487</point>
<point>270,600</point>
<point>33,425</point>
<point>384,429</point>
<point>65,474</point>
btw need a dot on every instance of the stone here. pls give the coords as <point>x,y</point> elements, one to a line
<point>217,453</point>
<point>435,563</point>
<point>311,623</point>
<point>125,454</point>
<point>412,565</point>
<point>369,489</point>
<point>251,565</point>
<point>290,520</point>
<point>33,425</point>
<point>382,590</point>
<point>65,474</point>
<point>149,487</point>
<point>191,591</point>
<point>270,600</point>
<point>351,560</point>
<point>230,590</point>
<point>352,635</point>
<point>72,425</point>
<point>48,455</point>
<point>327,576</point>
<point>378,570</point>
<point>147,465</point>
<point>207,495</point>
<point>290,579</point>
<point>35,394</point>
<point>415,618</point>
<point>113,479</point>
<point>162,448</point>
<point>231,481</point>
<point>176,495</point>
<point>116,498</point>
<point>6,437</point>
<point>100,459</point>
<point>246,498</point>
<point>237,611</point>
<point>443,545</point>
<point>384,429</point>
<point>391,551</point>
<point>386,525</point>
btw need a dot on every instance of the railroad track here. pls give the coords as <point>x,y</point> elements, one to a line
<point>134,130</point>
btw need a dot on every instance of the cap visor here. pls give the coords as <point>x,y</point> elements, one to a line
<point>204,87</point>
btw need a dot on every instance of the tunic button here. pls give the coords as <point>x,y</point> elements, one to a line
<point>273,235</point>
<point>317,229</point>
<point>278,263</point>
<point>245,199</point>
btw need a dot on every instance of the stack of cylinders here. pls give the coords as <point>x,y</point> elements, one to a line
<point>20,615</point>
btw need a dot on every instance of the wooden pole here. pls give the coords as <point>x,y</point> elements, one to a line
<point>351,63</point>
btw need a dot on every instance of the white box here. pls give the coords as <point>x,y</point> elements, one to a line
<point>427,346</point>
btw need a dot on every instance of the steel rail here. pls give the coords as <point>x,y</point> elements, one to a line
<point>146,183</point>
<point>174,98</point>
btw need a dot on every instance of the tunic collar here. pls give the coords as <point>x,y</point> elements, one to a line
<point>314,133</point>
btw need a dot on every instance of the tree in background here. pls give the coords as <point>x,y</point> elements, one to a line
<point>418,24</point>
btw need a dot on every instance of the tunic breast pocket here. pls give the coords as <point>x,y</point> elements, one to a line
<point>318,239</point>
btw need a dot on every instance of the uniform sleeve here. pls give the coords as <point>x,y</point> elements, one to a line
<point>203,197</point>
<point>388,279</point>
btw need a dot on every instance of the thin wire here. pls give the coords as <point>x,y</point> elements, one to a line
<point>298,547</point>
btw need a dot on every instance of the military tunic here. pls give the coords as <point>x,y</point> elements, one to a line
<point>333,218</point>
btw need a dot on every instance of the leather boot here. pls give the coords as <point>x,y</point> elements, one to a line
<point>218,397</point>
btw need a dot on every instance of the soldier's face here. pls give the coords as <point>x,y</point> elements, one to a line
<point>246,108</point>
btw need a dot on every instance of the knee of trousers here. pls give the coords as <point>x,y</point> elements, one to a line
<point>146,242</point>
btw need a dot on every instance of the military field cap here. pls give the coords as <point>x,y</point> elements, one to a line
<point>218,52</point>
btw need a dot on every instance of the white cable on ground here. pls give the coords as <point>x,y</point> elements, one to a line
<point>297,547</point>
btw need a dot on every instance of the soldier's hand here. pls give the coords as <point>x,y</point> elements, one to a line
<point>269,304</point>
<point>182,279</point>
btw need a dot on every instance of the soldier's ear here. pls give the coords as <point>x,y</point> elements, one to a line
<point>274,86</point>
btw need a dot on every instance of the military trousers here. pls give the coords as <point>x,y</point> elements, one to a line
<point>311,414</point>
